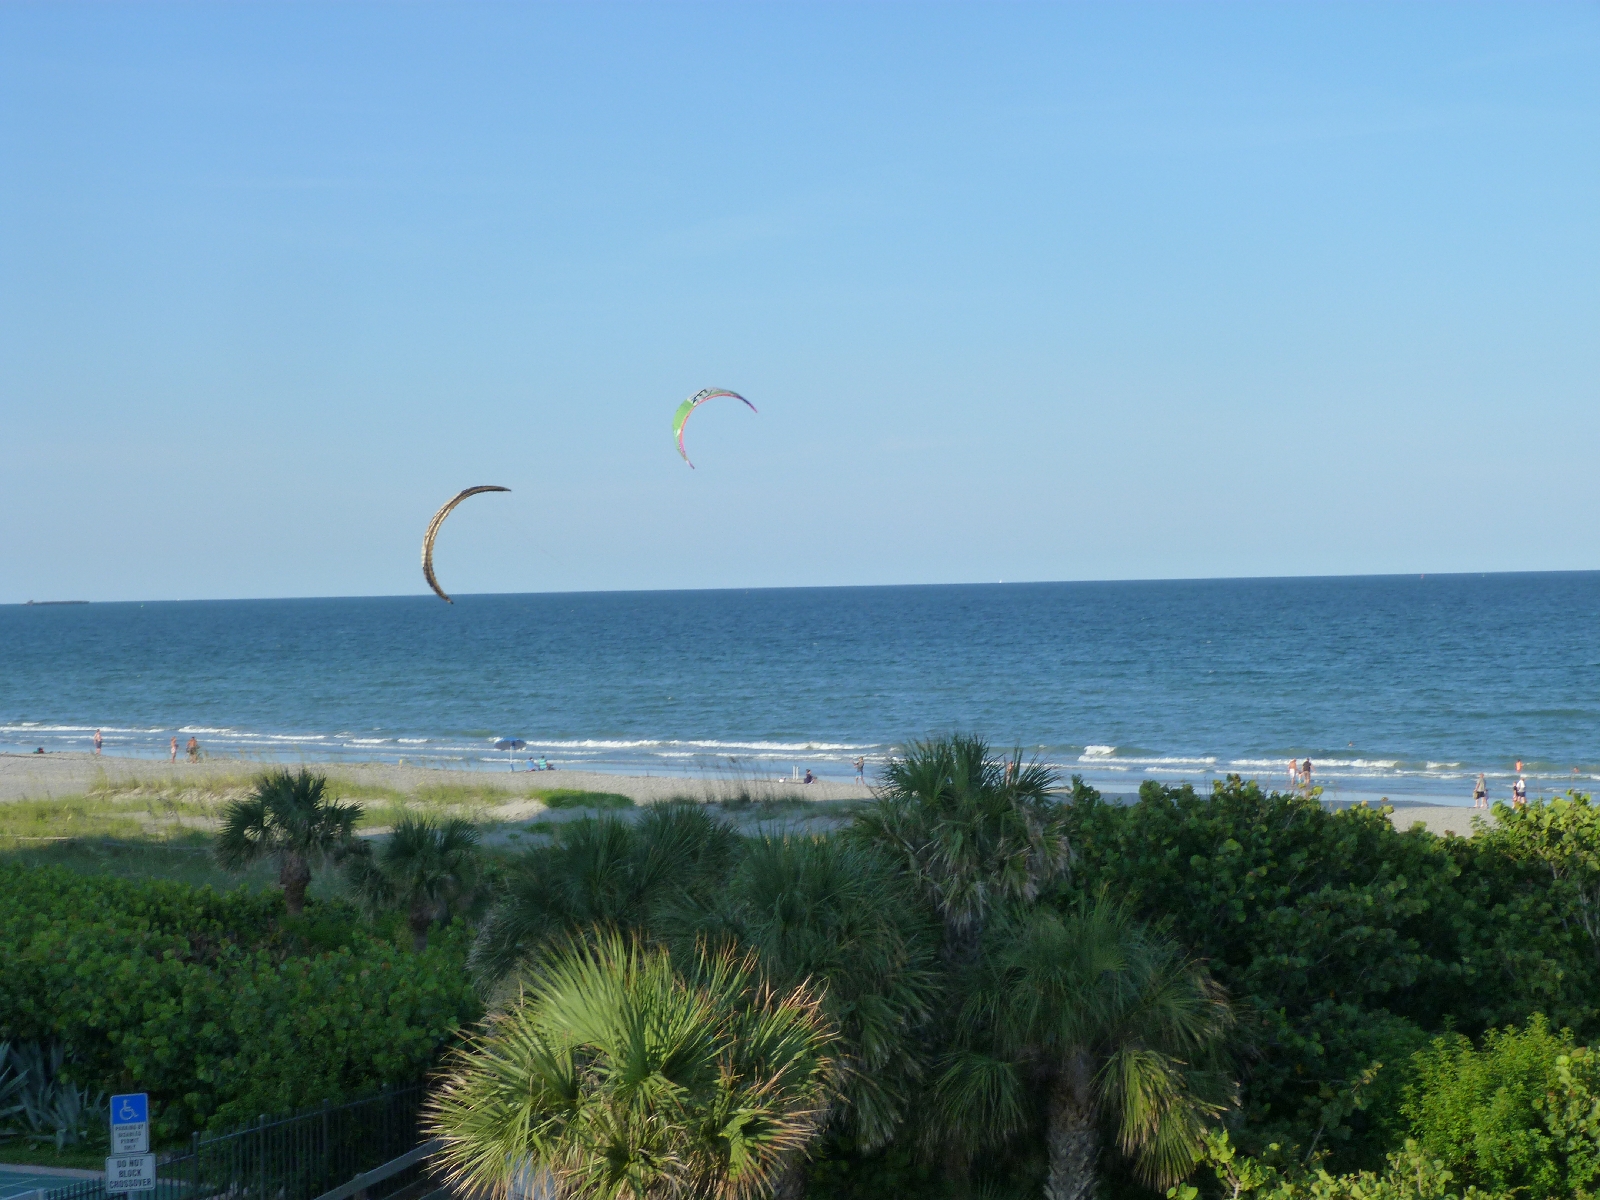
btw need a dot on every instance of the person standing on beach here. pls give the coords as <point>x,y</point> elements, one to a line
<point>97,741</point>
<point>861,769</point>
<point>174,749</point>
<point>1480,793</point>
<point>1305,774</point>
<point>1519,793</point>
<point>193,748</point>
<point>1294,773</point>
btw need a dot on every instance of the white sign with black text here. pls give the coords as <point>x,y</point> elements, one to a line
<point>131,1173</point>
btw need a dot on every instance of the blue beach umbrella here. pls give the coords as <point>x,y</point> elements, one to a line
<point>509,745</point>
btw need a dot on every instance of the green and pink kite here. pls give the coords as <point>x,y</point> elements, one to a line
<point>681,417</point>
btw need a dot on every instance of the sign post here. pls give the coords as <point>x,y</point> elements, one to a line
<point>131,1167</point>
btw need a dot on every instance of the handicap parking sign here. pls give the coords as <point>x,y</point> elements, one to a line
<point>130,1123</point>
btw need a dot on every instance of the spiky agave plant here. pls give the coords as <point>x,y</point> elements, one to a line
<point>613,1076</point>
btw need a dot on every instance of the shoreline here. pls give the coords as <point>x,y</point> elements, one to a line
<point>69,773</point>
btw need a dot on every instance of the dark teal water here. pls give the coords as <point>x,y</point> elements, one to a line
<point>1392,685</point>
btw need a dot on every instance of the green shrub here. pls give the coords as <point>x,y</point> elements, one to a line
<point>213,1002</point>
<point>1347,944</point>
<point>1520,1114</point>
<point>1408,1174</point>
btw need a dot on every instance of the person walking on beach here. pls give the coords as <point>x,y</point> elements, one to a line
<point>1480,793</point>
<point>1294,773</point>
<point>174,749</point>
<point>193,748</point>
<point>1305,775</point>
<point>861,769</point>
<point>97,741</point>
<point>1519,793</point>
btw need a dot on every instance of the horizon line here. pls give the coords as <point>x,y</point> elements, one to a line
<point>419,595</point>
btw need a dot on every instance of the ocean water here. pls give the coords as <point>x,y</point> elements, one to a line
<point>1398,686</point>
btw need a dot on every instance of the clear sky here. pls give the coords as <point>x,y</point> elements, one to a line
<point>1061,292</point>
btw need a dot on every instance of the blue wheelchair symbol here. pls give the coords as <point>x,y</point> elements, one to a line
<point>130,1109</point>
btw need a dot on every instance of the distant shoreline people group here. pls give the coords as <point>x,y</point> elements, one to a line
<point>1299,775</point>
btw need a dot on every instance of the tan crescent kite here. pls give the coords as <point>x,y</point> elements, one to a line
<point>433,532</point>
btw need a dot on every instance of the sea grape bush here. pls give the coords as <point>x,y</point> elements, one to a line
<point>215,1002</point>
<point>1345,943</point>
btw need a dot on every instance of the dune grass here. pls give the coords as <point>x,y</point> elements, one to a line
<point>162,828</point>
<point>575,798</point>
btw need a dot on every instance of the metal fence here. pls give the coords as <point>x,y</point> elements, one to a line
<point>296,1157</point>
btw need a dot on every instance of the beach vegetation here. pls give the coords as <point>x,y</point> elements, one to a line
<point>601,872</point>
<point>839,915</point>
<point>294,821</point>
<point>1518,1114</point>
<point>218,1003</point>
<point>616,1072</point>
<point>1022,989</point>
<point>976,832</point>
<point>560,798</point>
<point>40,1103</point>
<point>422,869</point>
<point>1110,1029</point>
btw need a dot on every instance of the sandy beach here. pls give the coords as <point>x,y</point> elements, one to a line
<point>37,777</point>
<point>47,776</point>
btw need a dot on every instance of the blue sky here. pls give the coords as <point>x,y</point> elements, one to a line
<point>1061,292</point>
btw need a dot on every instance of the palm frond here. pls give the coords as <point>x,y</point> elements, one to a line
<point>617,1076</point>
<point>245,835</point>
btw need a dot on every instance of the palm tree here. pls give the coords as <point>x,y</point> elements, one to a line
<point>613,1076</point>
<point>290,818</point>
<point>844,917</point>
<point>976,831</point>
<point>425,867</point>
<point>602,872</point>
<point>1112,1025</point>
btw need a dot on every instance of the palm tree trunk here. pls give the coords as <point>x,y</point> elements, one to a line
<point>791,1184</point>
<point>294,876</point>
<point>420,919</point>
<point>957,1169</point>
<point>1072,1133</point>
